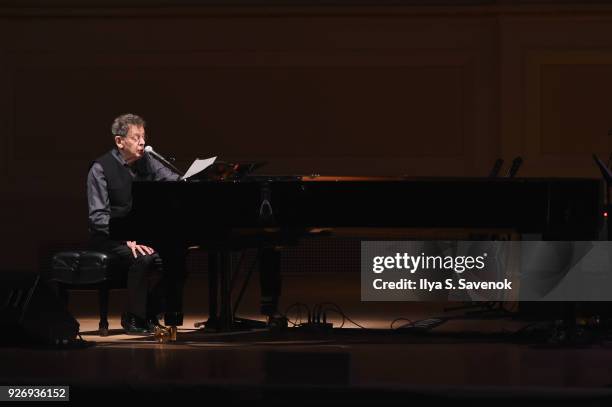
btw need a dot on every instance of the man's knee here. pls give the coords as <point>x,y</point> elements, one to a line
<point>151,262</point>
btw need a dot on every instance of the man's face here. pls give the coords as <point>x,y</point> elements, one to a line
<point>132,145</point>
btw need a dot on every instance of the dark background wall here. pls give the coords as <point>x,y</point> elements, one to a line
<point>402,88</point>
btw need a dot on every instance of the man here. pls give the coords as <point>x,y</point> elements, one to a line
<point>109,194</point>
<point>109,191</point>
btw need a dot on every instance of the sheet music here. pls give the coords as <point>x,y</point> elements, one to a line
<point>198,166</point>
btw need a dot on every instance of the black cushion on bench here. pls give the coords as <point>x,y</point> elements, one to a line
<point>85,267</point>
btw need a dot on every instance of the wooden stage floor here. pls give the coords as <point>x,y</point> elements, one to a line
<point>475,361</point>
<point>504,361</point>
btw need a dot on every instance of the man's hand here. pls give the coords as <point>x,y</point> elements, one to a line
<point>140,248</point>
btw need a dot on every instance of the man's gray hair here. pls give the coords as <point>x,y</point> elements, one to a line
<point>121,125</point>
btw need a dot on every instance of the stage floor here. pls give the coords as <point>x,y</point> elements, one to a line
<point>498,360</point>
<point>482,360</point>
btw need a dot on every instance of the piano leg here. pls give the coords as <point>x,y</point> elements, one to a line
<point>220,315</point>
<point>226,317</point>
<point>213,289</point>
<point>270,280</point>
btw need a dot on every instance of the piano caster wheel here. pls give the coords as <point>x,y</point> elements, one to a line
<point>172,332</point>
<point>103,329</point>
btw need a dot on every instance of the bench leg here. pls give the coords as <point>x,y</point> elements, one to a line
<point>61,291</point>
<point>103,302</point>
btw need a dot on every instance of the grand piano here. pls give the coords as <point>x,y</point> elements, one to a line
<point>261,210</point>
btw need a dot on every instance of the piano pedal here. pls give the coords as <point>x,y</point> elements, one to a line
<point>161,334</point>
<point>173,330</point>
<point>165,334</point>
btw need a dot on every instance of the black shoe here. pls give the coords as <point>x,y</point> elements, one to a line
<point>133,324</point>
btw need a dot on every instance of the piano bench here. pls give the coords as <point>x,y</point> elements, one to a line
<point>87,270</point>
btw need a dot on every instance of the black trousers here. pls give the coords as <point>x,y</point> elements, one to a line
<point>168,293</point>
<point>142,272</point>
<point>154,282</point>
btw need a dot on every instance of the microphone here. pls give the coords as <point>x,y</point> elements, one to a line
<point>161,159</point>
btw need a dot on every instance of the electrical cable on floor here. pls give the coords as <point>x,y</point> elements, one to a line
<point>338,310</point>
<point>298,319</point>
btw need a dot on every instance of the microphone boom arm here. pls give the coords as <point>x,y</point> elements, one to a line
<point>162,160</point>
